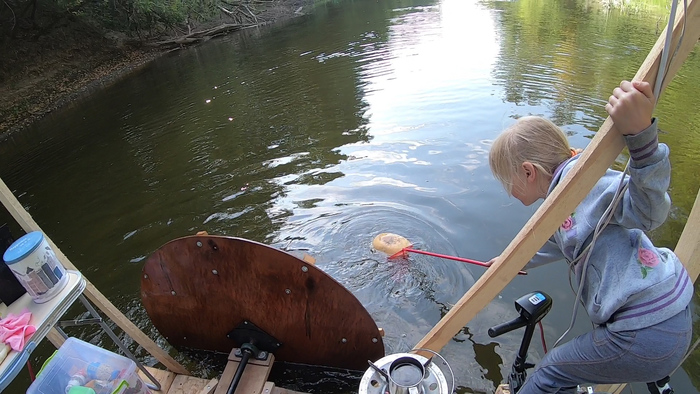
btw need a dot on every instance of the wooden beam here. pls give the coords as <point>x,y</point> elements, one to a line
<point>594,161</point>
<point>101,302</point>
<point>277,390</point>
<point>184,384</point>
<point>253,379</point>
<point>165,378</point>
<point>55,338</point>
<point>610,388</point>
<point>688,247</point>
<point>210,387</point>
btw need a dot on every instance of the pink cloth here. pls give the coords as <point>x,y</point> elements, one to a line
<point>14,330</point>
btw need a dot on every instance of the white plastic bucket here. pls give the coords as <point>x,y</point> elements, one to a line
<point>36,266</point>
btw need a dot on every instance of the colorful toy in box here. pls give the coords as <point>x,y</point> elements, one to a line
<point>100,378</point>
<point>81,390</point>
<point>100,371</point>
<point>77,380</point>
<point>79,367</point>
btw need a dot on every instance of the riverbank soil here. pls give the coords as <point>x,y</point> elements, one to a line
<point>43,69</point>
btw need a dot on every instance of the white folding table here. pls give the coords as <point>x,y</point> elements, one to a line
<point>44,317</point>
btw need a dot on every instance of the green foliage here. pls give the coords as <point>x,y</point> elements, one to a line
<point>152,16</point>
<point>142,18</point>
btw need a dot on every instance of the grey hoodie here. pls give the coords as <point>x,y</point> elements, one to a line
<point>629,283</point>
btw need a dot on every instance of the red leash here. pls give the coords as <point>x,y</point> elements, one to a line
<point>32,376</point>
<point>544,343</point>
<point>404,253</point>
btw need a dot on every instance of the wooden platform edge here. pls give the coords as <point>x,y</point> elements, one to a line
<point>253,380</point>
<point>165,378</point>
<point>172,383</point>
<point>270,388</point>
<point>210,387</point>
<point>185,384</point>
<point>278,390</point>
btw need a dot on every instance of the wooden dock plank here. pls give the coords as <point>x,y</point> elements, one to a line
<point>184,384</point>
<point>268,388</point>
<point>165,378</point>
<point>278,390</point>
<point>210,387</point>
<point>253,379</point>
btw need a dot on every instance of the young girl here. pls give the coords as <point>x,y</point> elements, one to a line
<point>636,295</point>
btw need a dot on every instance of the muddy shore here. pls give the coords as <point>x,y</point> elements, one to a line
<point>41,75</point>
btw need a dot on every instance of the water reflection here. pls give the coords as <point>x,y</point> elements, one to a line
<point>365,117</point>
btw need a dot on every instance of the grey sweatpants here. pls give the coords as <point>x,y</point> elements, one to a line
<point>603,356</point>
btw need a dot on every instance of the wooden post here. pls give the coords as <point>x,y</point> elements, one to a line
<point>254,376</point>
<point>594,161</point>
<point>688,247</point>
<point>101,302</point>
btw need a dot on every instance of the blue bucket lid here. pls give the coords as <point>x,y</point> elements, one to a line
<point>22,247</point>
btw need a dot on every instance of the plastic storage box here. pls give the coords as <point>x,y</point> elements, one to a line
<point>78,365</point>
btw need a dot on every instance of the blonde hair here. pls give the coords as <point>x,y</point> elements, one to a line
<point>532,139</point>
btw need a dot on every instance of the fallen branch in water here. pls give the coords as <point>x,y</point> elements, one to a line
<point>200,36</point>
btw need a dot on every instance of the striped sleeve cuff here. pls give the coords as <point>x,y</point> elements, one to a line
<point>644,145</point>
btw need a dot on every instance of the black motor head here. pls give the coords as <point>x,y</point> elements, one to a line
<point>533,306</point>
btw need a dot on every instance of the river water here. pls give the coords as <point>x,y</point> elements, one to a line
<point>316,135</point>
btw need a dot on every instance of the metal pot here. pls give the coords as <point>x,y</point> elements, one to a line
<point>404,373</point>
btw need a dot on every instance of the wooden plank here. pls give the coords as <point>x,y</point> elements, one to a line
<point>265,363</point>
<point>98,299</point>
<point>278,390</point>
<point>253,379</point>
<point>594,161</point>
<point>210,387</point>
<point>688,247</point>
<point>309,259</point>
<point>165,378</point>
<point>183,384</point>
<point>55,338</point>
<point>268,388</point>
<point>610,388</point>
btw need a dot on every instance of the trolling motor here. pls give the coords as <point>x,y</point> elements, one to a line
<point>532,308</point>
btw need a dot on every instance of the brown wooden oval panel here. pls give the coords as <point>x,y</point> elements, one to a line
<point>197,289</point>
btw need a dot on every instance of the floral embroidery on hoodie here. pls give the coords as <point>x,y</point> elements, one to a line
<point>646,255</point>
<point>568,228</point>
